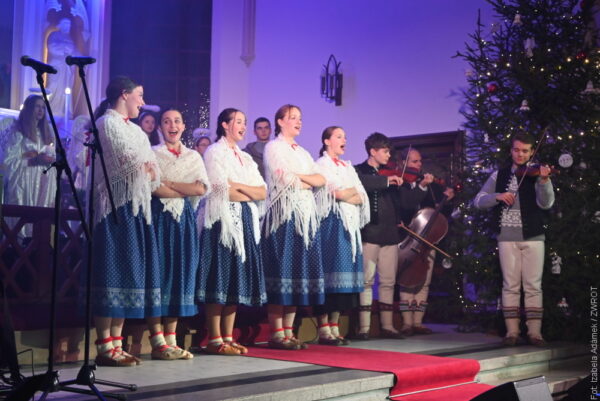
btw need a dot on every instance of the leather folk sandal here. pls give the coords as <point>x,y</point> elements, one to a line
<point>109,358</point>
<point>285,344</point>
<point>298,342</point>
<point>137,360</point>
<point>343,340</point>
<point>183,354</point>
<point>243,350</point>
<point>165,352</point>
<point>329,341</point>
<point>221,349</point>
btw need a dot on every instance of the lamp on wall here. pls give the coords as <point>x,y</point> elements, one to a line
<point>331,81</point>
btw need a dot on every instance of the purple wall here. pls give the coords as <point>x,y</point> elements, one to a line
<point>395,55</point>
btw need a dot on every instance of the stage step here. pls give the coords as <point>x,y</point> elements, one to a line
<point>563,364</point>
<point>313,383</point>
<point>241,379</point>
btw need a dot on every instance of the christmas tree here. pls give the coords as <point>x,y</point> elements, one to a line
<point>535,68</point>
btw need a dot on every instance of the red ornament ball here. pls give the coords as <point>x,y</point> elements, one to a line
<point>492,88</point>
<point>580,56</point>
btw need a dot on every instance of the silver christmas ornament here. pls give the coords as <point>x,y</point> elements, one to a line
<point>565,160</point>
<point>529,45</point>
<point>590,90</point>
<point>517,20</point>
<point>524,105</point>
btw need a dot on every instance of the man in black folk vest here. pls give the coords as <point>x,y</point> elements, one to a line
<point>520,212</point>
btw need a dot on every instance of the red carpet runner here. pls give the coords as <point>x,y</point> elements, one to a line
<point>413,372</point>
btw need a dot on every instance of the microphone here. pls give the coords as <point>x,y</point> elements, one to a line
<point>38,66</point>
<point>79,61</point>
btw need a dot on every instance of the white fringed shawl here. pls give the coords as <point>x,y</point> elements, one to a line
<point>128,157</point>
<point>354,217</point>
<point>187,168</point>
<point>223,166</point>
<point>286,198</point>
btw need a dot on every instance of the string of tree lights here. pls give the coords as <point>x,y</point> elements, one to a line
<point>537,68</point>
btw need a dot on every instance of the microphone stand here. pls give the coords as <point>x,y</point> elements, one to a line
<point>48,382</point>
<point>86,376</point>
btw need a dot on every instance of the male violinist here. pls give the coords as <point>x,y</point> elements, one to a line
<point>380,236</point>
<point>413,301</point>
<point>520,204</point>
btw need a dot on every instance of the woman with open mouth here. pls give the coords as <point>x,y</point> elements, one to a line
<point>292,243</point>
<point>183,182</point>
<point>231,266</point>
<point>347,212</point>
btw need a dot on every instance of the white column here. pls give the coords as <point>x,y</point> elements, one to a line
<point>229,75</point>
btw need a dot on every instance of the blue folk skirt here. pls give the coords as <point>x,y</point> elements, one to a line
<point>223,277</point>
<point>178,255</point>
<point>293,272</point>
<point>125,275</point>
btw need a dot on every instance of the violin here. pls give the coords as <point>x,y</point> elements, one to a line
<point>409,175</point>
<point>533,170</point>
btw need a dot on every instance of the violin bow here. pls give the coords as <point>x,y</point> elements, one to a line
<point>420,238</point>
<point>406,161</point>
<point>540,140</point>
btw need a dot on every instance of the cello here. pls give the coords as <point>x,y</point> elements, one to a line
<point>428,227</point>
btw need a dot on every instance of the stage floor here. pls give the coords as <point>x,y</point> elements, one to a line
<point>209,377</point>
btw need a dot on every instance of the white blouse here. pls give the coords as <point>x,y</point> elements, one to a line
<point>341,175</point>
<point>286,198</point>
<point>187,168</point>
<point>223,164</point>
<point>129,161</point>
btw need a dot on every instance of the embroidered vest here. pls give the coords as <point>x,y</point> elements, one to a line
<point>532,216</point>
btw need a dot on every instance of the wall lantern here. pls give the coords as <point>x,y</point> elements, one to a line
<point>331,81</point>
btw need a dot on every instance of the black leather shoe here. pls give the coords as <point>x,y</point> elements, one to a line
<point>329,341</point>
<point>361,337</point>
<point>383,333</point>
<point>537,342</point>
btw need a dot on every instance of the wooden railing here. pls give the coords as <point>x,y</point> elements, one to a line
<point>26,265</point>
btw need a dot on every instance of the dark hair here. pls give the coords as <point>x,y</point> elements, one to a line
<point>169,109</point>
<point>26,123</point>
<point>261,120</point>
<point>154,135</point>
<point>145,114</point>
<point>158,123</point>
<point>377,141</point>
<point>327,132</point>
<point>224,117</point>
<point>200,138</point>
<point>522,136</point>
<point>404,153</point>
<point>114,90</point>
<point>282,112</point>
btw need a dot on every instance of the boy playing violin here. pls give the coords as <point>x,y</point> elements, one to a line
<point>520,205</point>
<point>380,237</point>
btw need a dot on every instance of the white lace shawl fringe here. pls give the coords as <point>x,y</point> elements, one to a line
<point>127,154</point>
<point>353,217</point>
<point>187,168</point>
<point>286,198</point>
<point>222,166</point>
